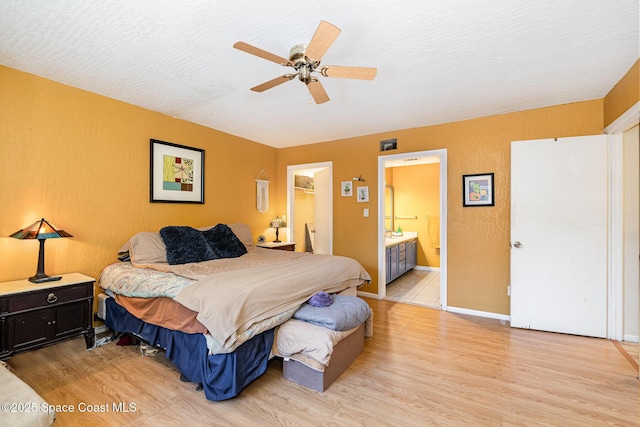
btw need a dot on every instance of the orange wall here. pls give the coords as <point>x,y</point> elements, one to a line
<point>82,161</point>
<point>624,95</point>
<point>478,238</point>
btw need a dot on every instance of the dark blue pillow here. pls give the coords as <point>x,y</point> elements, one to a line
<point>223,242</point>
<point>185,244</point>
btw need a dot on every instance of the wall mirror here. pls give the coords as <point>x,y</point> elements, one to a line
<point>388,207</point>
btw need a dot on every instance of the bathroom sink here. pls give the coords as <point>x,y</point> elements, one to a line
<point>406,236</point>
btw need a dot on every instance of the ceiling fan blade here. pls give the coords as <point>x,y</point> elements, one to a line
<point>317,92</point>
<point>322,40</point>
<point>273,83</point>
<point>361,73</point>
<point>245,47</point>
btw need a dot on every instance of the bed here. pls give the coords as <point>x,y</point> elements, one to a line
<point>213,305</point>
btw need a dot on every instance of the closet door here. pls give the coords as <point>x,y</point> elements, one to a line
<point>559,203</point>
<point>322,213</point>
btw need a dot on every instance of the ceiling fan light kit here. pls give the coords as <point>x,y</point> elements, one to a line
<point>305,59</point>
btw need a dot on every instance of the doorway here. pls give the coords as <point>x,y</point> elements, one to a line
<point>310,207</point>
<point>431,223</point>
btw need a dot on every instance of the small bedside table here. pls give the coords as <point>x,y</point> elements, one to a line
<point>33,315</point>
<point>282,246</point>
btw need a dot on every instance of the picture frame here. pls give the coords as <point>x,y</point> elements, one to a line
<point>478,190</point>
<point>176,173</point>
<point>347,188</point>
<point>363,193</point>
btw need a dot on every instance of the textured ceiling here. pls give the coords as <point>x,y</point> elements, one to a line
<point>438,61</point>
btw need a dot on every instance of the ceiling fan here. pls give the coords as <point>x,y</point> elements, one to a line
<point>305,59</point>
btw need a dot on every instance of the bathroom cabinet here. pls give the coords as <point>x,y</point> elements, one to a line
<point>401,257</point>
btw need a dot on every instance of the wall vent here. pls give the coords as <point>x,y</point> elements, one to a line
<point>389,144</point>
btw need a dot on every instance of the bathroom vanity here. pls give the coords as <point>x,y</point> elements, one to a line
<point>401,253</point>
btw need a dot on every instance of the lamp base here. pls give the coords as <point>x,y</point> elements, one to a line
<point>40,276</point>
<point>43,279</point>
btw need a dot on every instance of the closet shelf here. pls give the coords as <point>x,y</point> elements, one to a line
<point>306,190</point>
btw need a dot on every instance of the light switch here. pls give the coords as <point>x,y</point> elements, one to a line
<point>366,213</point>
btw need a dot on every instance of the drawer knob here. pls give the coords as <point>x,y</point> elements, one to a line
<point>51,298</point>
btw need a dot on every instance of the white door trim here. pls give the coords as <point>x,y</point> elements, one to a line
<point>630,118</point>
<point>615,293</point>
<point>382,290</point>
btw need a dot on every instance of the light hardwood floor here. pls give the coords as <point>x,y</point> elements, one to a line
<point>422,367</point>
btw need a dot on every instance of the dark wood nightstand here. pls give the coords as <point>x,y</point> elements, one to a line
<point>281,246</point>
<point>33,315</point>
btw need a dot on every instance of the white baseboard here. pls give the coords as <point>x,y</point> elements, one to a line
<point>368,295</point>
<point>426,268</point>
<point>486,314</point>
<point>101,329</point>
<point>630,338</point>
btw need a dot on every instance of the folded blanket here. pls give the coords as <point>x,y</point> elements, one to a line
<point>296,337</point>
<point>346,312</point>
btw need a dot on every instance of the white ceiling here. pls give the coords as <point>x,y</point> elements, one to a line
<point>438,61</point>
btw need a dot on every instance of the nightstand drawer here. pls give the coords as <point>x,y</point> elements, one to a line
<point>47,297</point>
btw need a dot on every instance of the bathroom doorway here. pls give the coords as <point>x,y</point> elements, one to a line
<point>417,205</point>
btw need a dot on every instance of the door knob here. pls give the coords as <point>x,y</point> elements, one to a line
<point>517,244</point>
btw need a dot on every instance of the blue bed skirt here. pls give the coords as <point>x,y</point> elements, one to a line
<point>223,376</point>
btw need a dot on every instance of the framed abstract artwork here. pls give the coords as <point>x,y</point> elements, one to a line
<point>477,190</point>
<point>177,173</point>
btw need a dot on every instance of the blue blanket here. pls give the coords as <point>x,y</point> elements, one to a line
<point>346,312</point>
<point>222,376</point>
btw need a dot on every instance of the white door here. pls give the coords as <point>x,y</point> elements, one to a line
<point>559,201</point>
<point>322,212</point>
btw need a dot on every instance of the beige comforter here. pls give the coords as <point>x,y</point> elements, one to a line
<point>229,301</point>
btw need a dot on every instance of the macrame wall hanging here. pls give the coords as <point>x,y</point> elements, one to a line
<point>262,191</point>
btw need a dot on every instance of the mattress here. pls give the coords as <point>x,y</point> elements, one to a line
<point>213,347</point>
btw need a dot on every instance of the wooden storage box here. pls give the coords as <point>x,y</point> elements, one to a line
<point>344,353</point>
